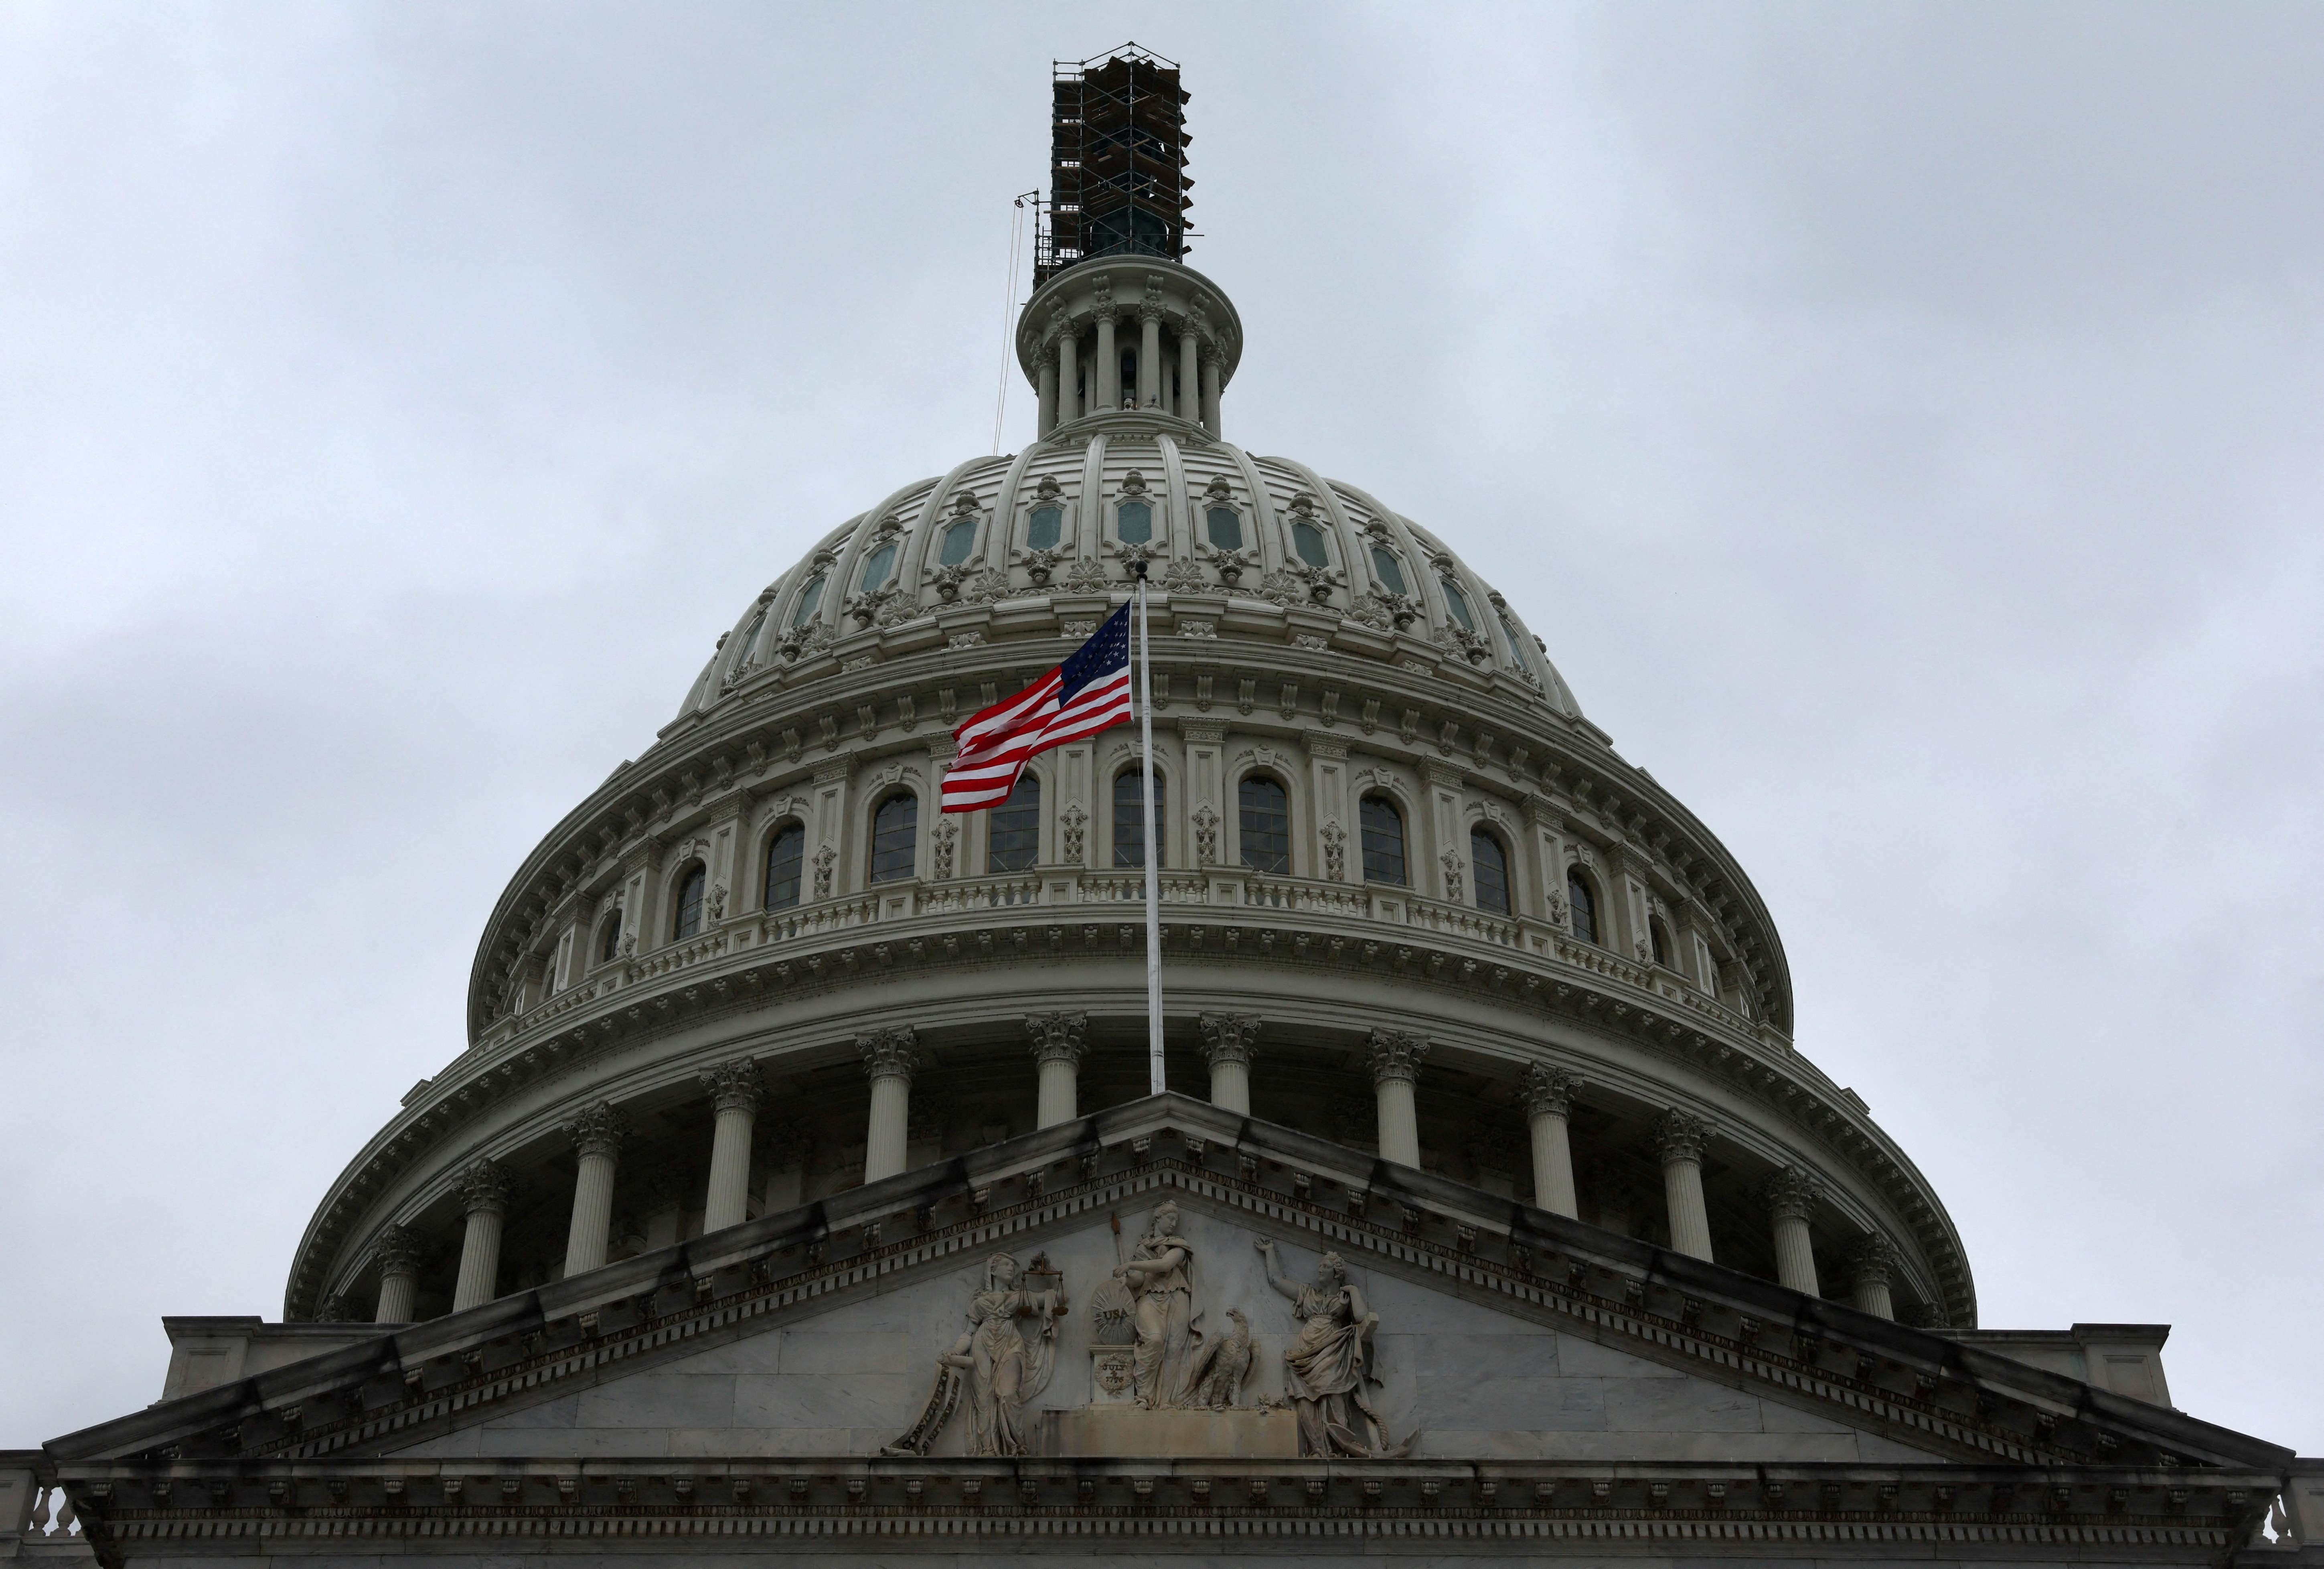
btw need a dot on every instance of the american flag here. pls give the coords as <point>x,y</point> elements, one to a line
<point>1088,693</point>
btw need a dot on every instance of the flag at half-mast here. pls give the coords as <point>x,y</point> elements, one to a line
<point>1088,693</point>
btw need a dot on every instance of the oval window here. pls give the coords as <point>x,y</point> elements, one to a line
<point>877,566</point>
<point>959,539</point>
<point>1308,540</point>
<point>1225,527</point>
<point>1388,570</point>
<point>808,600</point>
<point>1041,531</point>
<point>1457,604</point>
<point>1134,522</point>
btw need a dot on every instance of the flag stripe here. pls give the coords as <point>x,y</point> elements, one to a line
<point>1089,692</point>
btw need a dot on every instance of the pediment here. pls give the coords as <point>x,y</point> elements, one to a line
<point>1504,1332</point>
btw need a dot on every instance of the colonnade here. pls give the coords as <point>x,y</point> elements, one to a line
<point>1068,390</point>
<point>1059,1043</point>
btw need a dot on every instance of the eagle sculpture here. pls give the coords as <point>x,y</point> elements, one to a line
<point>1216,1379</point>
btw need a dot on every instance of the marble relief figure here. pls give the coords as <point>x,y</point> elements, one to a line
<point>1328,1362</point>
<point>1159,1277</point>
<point>1001,1365</point>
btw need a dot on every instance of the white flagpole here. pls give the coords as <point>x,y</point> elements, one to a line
<point>1153,848</point>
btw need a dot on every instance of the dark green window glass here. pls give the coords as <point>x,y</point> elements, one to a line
<point>1388,570</point>
<point>1225,526</point>
<point>1134,522</point>
<point>959,539</point>
<point>1130,816</point>
<point>876,567</point>
<point>1584,906</point>
<point>1308,540</point>
<point>785,852</point>
<point>689,905</point>
<point>1457,604</point>
<point>1266,824</point>
<point>741,650</point>
<point>1516,645</point>
<point>1489,864</point>
<point>808,600</point>
<point>1041,531</point>
<point>609,943</point>
<point>1383,832</point>
<point>895,838</point>
<point>1016,842</point>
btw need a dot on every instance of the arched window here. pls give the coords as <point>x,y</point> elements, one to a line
<point>1015,842</point>
<point>689,918</point>
<point>786,851</point>
<point>1224,525</point>
<point>1515,645</point>
<point>1043,528</point>
<point>959,539</point>
<point>1307,540</point>
<point>1129,815</point>
<point>1659,936</point>
<point>1134,523</point>
<point>1583,904</point>
<point>810,597</point>
<point>742,650</point>
<point>1266,824</point>
<point>1457,604</point>
<point>1389,569</point>
<point>896,838</point>
<point>876,567</point>
<point>1488,868</point>
<point>609,941</point>
<point>1383,834</point>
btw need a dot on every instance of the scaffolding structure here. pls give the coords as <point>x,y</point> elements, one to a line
<point>1117,180</point>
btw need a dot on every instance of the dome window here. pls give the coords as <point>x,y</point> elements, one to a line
<point>1224,526</point>
<point>810,597</point>
<point>1044,528</point>
<point>1129,815</point>
<point>1658,935</point>
<point>877,566</point>
<point>1016,830</point>
<point>1515,645</point>
<point>688,919</point>
<point>1389,569</point>
<point>1489,866</point>
<point>742,650</point>
<point>1457,604</point>
<point>786,852</point>
<point>1383,835</point>
<point>959,539</point>
<point>1583,905</point>
<point>1266,813</point>
<point>1307,540</point>
<point>609,941</point>
<point>1133,522</point>
<point>896,838</point>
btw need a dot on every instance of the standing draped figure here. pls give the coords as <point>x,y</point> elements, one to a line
<point>1159,1276</point>
<point>1001,1366</point>
<point>1328,1362</point>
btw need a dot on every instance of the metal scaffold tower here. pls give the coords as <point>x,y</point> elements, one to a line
<point>1117,180</point>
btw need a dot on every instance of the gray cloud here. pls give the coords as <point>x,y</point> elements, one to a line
<point>1901,421</point>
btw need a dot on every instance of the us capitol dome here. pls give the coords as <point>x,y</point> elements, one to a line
<point>800,1187</point>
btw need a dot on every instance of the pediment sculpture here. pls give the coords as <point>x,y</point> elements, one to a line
<point>997,1365</point>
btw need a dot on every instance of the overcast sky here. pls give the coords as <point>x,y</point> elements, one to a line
<point>1902,422</point>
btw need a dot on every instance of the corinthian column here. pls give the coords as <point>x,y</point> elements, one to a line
<point>1149,354</point>
<point>1870,1262</point>
<point>1108,390</point>
<point>484,1199</point>
<point>1211,368</point>
<point>1679,1139</point>
<point>596,1134</point>
<point>1548,1100</point>
<point>1792,1196</point>
<point>1395,1056</point>
<point>1058,1047</point>
<point>398,1253</point>
<point>1069,377</point>
<point>888,1057</point>
<point>1190,378</point>
<point>734,1091</point>
<point>1230,1040</point>
<point>1048,390</point>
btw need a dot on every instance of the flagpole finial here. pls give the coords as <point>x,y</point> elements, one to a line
<point>1137,568</point>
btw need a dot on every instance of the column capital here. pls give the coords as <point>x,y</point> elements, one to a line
<point>484,1187</point>
<point>599,1131</point>
<point>733,1086</point>
<point>1229,1038</point>
<point>889,1054</point>
<point>1547,1091</point>
<point>1793,1194</point>
<point>1151,310</point>
<point>1396,1053</point>
<point>397,1248</point>
<point>1679,1136</point>
<point>1057,1036</point>
<point>1871,1260</point>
